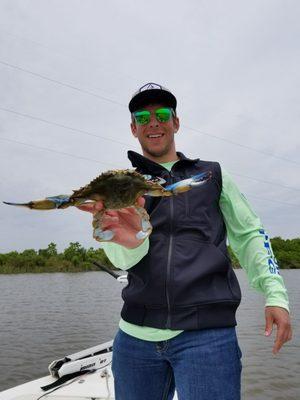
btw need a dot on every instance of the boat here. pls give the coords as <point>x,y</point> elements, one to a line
<point>85,375</point>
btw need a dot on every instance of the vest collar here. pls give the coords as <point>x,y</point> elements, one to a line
<point>142,163</point>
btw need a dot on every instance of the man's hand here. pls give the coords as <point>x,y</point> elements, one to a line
<point>280,317</point>
<point>124,223</point>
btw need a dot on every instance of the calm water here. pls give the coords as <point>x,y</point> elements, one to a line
<point>46,316</point>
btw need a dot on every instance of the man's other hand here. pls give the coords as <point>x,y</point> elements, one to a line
<point>280,317</point>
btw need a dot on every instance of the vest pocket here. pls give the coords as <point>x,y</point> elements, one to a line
<point>202,275</point>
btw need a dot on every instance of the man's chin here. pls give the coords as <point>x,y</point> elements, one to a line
<point>155,153</point>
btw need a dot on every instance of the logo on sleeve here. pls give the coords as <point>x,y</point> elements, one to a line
<point>272,262</point>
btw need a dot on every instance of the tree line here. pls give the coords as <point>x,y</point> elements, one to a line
<point>75,258</point>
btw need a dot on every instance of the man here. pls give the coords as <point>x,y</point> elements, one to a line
<point>178,320</point>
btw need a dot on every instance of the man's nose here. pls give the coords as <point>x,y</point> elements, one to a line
<point>153,121</point>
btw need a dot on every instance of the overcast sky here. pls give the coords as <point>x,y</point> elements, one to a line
<point>68,69</point>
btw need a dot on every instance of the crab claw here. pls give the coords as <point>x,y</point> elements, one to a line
<point>187,184</point>
<point>49,203</point>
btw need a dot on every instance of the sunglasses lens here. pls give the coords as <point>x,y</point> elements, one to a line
<point>163,114</point>
<point>142,117</point>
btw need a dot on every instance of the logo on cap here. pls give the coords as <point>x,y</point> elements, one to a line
<point>152,92</point>
<point>150,86</point>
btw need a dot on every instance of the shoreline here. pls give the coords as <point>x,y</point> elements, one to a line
<point>75,258</point>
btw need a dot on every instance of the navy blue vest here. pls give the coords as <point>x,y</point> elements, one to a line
<point>186,280</point>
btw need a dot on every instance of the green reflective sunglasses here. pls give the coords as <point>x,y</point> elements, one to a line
<point>162,115</point>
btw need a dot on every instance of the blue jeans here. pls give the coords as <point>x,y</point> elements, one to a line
<point>202,365</point>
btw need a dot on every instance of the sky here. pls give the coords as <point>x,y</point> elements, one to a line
<point>69,68</point>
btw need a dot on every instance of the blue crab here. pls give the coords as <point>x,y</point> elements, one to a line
<point>118,189</point>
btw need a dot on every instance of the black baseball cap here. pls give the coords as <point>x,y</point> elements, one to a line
<point>152,93</point>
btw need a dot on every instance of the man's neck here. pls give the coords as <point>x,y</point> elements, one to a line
<point>162,159</point>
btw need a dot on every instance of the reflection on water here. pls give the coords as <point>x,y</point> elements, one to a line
<point>47,316</point>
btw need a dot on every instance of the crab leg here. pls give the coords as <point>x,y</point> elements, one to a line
<point>145,220</point>
<point>98,233</point>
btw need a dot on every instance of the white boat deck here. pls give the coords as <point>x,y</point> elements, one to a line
<point>98,385</point>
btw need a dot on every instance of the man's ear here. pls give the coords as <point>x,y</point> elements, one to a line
<point>133,129</point>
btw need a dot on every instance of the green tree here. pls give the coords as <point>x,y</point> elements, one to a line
<point>50,251</point>
<point>234,261</point>
<point>75,249</point>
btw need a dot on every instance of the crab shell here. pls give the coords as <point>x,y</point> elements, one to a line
<point>117,189</point>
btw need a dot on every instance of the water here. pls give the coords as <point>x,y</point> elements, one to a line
<point>46,316</point>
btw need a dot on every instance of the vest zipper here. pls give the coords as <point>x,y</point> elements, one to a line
<point>168,323</point>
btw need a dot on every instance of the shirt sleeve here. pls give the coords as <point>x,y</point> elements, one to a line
<point>124,258</point>
<point>251,244</point>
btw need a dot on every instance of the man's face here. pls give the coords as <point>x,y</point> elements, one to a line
<point>157,138</point>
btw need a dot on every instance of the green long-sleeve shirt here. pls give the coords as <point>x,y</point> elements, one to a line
<point>248,240</point>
